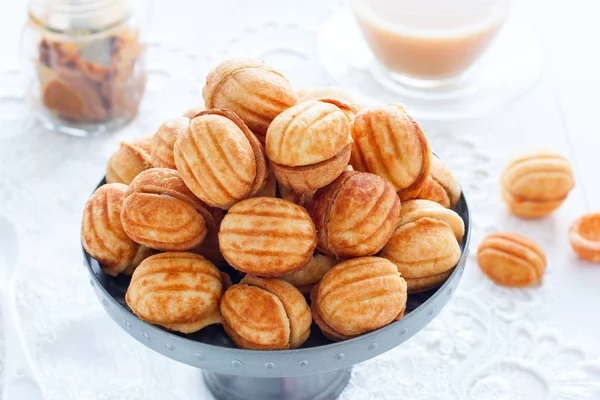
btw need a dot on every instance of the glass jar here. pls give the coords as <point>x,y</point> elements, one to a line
<point>85,63</point>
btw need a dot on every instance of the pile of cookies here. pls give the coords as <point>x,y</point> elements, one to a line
<point>326,212</point>
<point>534,184</point>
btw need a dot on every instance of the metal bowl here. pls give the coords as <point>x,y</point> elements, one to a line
<point>319,369</point>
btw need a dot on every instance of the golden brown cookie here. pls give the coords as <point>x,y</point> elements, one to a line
<point>163,142</point>
<point>511,260</point>
<point>179,291</point>
<point>160,212</point>
<point>389,143</point>
<point>355,216</point>
<point>309,275</point>
<point>219,159</point>
<point>429,282</point>
<point>255,92</point>
<point>267,236</point>
<point>131,159</point>
<point>350,110</point>
<point>209,248</point>
<point>536,183</point>
<point>309,145</point>
<point>192,112</point>
<point>584,236</point>
<point>425,243</point>
<point>325,329</point>
<point>142,253</point>
<point>102,234</point>
<point>270,188</point>
<point>294,303</point>
<point>301,198</point>
<point>358,296</point>
<point>319,93</point>
<point>255,318</point>
<point>440,186</point>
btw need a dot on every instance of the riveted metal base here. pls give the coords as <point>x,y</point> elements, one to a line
<point>324,386</point>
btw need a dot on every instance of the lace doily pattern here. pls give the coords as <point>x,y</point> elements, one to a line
<point>469,352</point>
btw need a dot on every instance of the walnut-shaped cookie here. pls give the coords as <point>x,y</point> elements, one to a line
<point>440,186</point>
<point>265,314</point>
<point>301,198</point>
<point>163,142</point>
<point>131,159</point>
<point>142,253</point>
<point>336,96</point>
<point>536,183</point>
<point>309,145</point>
<point>511,260</point>
<point>102,234</point>
<point>425,246</point>
<point>358,296</point>
<point>267,236</point>
<point>270,188</point>
<point>209,248</point>
<point>192,112</point>
<point>254,91</point>
<point>220,159</point>
<point>390,143</point>
<point>319,93</point>
<point>160,212</point>
<point>356,215</point>
<point>584,237</point>
<point>309,275</point>
<point>350,110</point>
<point>177,290</point>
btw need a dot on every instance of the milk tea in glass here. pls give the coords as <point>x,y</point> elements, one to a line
<point>429,40</point>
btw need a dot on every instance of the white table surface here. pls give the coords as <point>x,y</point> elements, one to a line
<point>489,343</point>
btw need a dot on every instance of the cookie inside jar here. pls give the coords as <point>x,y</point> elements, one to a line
<point>86,64</point>
<point>92,81</point>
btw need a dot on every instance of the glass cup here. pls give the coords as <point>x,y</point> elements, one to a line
<point>428,42</point>
<point>441,59</point>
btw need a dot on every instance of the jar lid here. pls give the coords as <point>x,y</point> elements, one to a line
<point>80,15</point>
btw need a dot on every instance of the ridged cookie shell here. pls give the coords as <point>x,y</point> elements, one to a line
<point>267,237</point>
<point>179,291</point>
<point>102,233</point>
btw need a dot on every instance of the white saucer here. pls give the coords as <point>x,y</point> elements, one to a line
<point>511,68</point>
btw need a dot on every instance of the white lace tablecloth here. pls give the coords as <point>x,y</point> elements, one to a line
<point>489,343</point>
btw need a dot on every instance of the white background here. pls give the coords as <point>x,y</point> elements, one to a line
<point>490,343</point>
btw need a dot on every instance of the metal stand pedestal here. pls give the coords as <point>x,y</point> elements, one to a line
<point>324,386</point>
